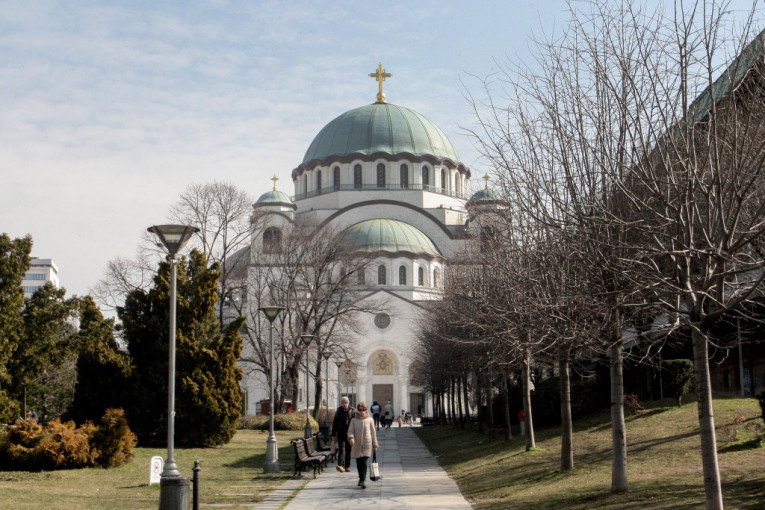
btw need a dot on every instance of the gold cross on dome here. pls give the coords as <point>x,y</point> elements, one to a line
<point>380,76</point>
<point>274,178</point>
<point>485,178</point>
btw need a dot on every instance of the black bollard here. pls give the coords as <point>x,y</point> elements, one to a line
<point>195,481</point>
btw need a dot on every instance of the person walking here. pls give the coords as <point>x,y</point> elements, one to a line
<point>388,414</point>
<point>363,439</point>
<point>375,410</point>
<point>343,416</point>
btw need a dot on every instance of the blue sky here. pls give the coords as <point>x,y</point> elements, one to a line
<point>108,110</point>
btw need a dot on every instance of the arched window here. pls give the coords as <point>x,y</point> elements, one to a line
<point>380,175</point>
<point>305,183</point>
<point>458,184</point>
<point>425,176</point>
<point>318,181</point>
<point>336,177</point>
<point>404,176</point>
<point>361,276</point>
<point>443,180</point>
<point>436,277</point>
<point>357,177</point>
<point>272,240</point>
<point>381,275</point>
<point>402,275</point>
<point>420,277</point>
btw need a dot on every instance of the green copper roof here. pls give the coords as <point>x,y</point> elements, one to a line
<point>380,127</point>
<point>484,195</point>
<point>274,196</point>
<point>391,236</point>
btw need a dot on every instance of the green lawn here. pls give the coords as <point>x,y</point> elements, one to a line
<point>237,468</point>
<point>664,462</point>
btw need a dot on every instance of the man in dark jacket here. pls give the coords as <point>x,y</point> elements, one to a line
<point>343,416</point>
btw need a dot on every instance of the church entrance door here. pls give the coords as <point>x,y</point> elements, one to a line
<point>382,393</point>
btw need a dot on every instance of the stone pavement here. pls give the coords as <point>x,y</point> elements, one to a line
<point>411,479</point>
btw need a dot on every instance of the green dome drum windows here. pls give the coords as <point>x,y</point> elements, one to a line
<point>336,178</point>
<point>381,280</point>
<point>357,182</point>
<point>420,277</point>
<point>402,275</point>
<point>425,176</point>
<point>404,177</point>
<point>381,175</point>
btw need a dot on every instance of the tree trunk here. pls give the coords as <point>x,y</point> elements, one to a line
<point>508,423</point>
<point>490,405</point>
<point>479,401</point>
<point>466,395</point>
<point>455,387</point>
<point>530,442</point>
<point>567,428</point>
<point>318,387</point>
<point>618,427</point>
<point>712,488</point>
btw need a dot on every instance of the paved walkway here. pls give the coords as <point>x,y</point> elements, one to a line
<point>411,479</point>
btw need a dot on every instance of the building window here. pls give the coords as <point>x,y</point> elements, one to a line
<point>380,175</point>
<point>402,275</point>
<point>357,177</point>
<point>425,176</point>
<point>318,181</point>
<point>420,277</point>
<point>305,183</point>
<point>404,176</point>
<point>272,240</point>
<point>443,180</point>
<point>381,275</point>
<point>336,177</point>
<point>361,276</point>
<point>436,277</point>
<point>34,276</point>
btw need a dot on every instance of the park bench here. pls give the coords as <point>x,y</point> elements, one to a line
<point>303,460</point>
<point>324,447</point>
<point>310,449</point>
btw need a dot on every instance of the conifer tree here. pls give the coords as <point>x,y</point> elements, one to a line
<point>208,396</point>
<point>102,370</point>
<point>14,262</point>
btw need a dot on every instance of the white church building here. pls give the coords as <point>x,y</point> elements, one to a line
<point>393,182</point>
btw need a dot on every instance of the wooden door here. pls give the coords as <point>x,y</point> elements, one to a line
<point>382,393</point>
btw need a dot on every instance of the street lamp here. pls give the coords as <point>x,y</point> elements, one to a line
<point>272,453</point>
<point>307,339</point>
<point>173,488</point>
<point>327,354</point>
<point>339,364</point>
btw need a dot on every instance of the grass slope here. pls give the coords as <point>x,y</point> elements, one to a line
<point>230,475</point>
<point>663,462</point>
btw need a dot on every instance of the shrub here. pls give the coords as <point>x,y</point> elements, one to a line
<point>112,442</point>
<point>292,421</point>
<point>678,376</point>
<point>63,445</point>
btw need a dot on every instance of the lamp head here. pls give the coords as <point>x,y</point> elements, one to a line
<point>326,354</point>
<point>173,237</point>
<point>272,312</point>
<point>307,339</point>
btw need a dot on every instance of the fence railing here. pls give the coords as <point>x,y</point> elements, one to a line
<point>374,187</point>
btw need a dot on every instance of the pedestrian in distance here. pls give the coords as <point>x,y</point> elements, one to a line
<point>363,439</point>
<point>343,416</point>
<point>376,409</point>
<point>388,414</point>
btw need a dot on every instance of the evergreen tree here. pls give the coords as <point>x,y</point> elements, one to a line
<point>208,396</point>
<point>102,370</point>
<point>14,263</point>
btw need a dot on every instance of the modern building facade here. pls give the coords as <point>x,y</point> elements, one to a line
<point>41,271</point>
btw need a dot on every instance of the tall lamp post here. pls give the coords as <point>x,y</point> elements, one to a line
<point>272,453</point>
<point>326,355</point>
<point>307,339</point>
<point>339,365</point>
<point>173,488</point>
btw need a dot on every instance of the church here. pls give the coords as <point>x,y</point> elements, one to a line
<point>390,180</point>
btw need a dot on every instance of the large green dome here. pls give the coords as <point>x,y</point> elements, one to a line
<point>390,236</point>
<point>380,127</point>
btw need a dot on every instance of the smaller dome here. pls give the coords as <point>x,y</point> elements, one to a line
<point>485,195</point>
<point>274,198</point>
<point>390,236</point>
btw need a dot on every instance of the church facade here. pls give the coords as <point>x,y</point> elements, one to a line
<point>390,180</point>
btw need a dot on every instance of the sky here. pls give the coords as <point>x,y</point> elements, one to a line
<point>109,110</point>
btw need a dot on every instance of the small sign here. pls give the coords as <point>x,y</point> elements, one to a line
<point>155,470</point>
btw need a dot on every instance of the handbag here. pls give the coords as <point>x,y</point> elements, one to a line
<point>374,473</point>
<point>332,447</point>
